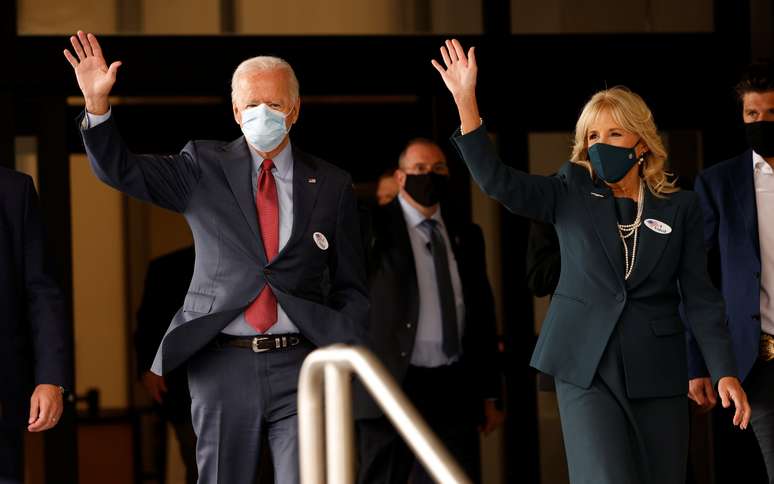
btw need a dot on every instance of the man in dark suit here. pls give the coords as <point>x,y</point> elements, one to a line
<point>432,322</point>
<point>736,197</point>
<point>35,357</point>
<point>166,285</point>
<point>279,264</point>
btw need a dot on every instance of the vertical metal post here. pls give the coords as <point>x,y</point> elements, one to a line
<point>310,425</point>
<point>338,362</point>
<point>339,424</point>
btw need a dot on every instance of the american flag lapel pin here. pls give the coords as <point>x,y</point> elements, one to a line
<point>311,180</point>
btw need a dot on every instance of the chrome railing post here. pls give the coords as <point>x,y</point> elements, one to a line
<point>339,424</point>
<point>337,362</point>
<point>311,441</point>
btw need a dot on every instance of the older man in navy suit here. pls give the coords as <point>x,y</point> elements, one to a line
<point>279,264</point>
<point>737,198</point>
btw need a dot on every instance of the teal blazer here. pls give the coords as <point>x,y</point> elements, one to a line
<point>592,297</point>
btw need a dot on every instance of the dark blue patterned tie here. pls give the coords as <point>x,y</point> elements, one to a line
<point>451,341</point>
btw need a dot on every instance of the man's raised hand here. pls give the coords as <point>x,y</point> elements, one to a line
<point>94,76</point>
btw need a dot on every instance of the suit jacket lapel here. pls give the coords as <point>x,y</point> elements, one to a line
<point>651,244</point>
<point>306,180</point>
<point>743,186</point>
<point>405,256</point>
<point>601,206</point>
<point>236,164</point>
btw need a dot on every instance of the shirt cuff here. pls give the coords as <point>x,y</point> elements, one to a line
<point>93,120</point>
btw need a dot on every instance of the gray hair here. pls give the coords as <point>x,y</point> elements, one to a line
<point>265,63</point>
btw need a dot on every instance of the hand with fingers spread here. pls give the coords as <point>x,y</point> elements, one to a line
<point>730,390</point>
<point>459,75</point>
<point>94,76</point>
<point>46,406</point>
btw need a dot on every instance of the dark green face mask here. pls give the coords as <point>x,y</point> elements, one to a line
<point>612,163</point>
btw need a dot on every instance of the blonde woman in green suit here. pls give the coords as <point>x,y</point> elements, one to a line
<point>632,252</point>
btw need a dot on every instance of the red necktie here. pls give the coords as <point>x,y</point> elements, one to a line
<point>262,312</point>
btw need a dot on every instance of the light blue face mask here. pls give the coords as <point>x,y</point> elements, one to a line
<point>263,127</point>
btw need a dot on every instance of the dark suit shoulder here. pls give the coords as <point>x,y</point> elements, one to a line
<point>573,173</point>
<point>12,179</point>
<point>723,169</point>
<point>205,145</point>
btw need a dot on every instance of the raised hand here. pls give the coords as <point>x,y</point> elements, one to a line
<point>459,75</point>
<point>461,70</point>
<point>94,76</point>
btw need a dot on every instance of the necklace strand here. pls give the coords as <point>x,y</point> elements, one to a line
<point>626,231</point>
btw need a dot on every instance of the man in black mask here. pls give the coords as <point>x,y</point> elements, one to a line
<point>737,197</point>
<point>432,322</point>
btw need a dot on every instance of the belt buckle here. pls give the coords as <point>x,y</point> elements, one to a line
<point>767,347</point>
<point>256,349</point>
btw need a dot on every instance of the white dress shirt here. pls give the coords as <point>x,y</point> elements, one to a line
<point>428,343</point>
<point>764,201</point>
<point>283,175</point>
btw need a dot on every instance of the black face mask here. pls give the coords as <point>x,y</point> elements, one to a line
<point>760,137</point>
<point>427,189</point>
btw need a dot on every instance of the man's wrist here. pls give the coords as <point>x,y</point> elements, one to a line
<point>98,106</point>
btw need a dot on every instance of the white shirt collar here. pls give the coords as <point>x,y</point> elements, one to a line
<point>759,164</point>
<point>283,161</point>
<point>414,217</point>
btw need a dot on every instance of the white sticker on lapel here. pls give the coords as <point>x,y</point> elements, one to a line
<point>320,240</point>
<point>658,226</point>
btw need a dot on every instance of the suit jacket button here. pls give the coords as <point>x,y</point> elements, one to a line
<point>756,317</point>
<point>408,325</point>
<point>267,272</point>
<point>403,354</point>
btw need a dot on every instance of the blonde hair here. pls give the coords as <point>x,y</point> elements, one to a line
<point>632,114</point>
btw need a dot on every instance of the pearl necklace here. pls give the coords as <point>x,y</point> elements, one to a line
<point>631,230</point>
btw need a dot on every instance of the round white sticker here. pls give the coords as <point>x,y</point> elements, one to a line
<point>658,226</point>
<point>320,240</point>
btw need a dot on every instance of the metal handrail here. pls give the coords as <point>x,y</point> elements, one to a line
<point>332,366</point>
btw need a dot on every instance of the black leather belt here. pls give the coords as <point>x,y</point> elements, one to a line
<point>261,344</point>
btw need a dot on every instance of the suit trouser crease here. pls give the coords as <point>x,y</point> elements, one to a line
<point>236,395</point>
<point>612,439</point>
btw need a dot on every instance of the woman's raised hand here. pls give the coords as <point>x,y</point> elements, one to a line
<point>459,75</point>
<point>461,70</point>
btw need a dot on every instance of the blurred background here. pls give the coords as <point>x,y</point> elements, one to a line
<point>367,88</point>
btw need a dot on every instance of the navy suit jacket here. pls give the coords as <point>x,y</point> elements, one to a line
<point>727,195</point>
<point>34,336</point>
<point>323,290</point>
<point>395,308</point>
<point>592,298</point>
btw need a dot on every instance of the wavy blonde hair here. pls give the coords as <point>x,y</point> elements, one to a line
<point>632,114</point>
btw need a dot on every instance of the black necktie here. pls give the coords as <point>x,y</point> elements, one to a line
<point>451,342</point>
